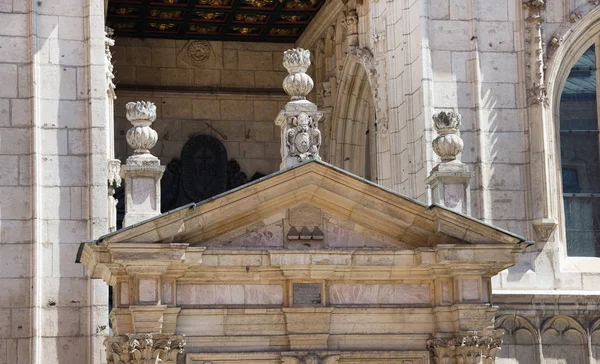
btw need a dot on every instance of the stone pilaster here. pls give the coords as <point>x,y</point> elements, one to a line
<point>449,180</point>
<point>142,171</point>
<point>144,349</point>
<point>300,134</point>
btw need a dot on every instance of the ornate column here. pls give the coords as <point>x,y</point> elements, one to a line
<point>300,134</point>
<point>450,179</point>
<point>142,171</point>
<point>537,101</point>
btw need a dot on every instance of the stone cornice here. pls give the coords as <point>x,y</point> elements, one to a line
<point>327,187</point>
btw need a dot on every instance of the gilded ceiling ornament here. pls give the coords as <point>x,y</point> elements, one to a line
<point>259,3</point>
<point>122,11</point>
<point>214,2</point>
<point>202,29</point>
<point>244,30</point>
<point>209,15</point>
<point>162,26</point>
<point>291,18</point>
<point>199,51</point>
<point>286,32</point>
<point>128,25</point>
<point>300,4</point>
<point>251,18</point>
<point>165,14</point>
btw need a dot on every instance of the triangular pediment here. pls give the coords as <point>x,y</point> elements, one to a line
<point>313,206</point>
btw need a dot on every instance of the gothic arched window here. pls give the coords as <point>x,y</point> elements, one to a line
<point>579,147</point>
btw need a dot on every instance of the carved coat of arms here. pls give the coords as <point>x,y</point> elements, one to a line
<point>303,138</point>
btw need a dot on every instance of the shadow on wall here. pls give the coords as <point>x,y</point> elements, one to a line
<point>67,294</point>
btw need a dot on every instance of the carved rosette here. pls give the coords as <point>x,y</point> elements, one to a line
<point>469,348</point>
<point>141,137</point>
<point>448,144</point>
<point>297,84</point>
<point>144,349</point>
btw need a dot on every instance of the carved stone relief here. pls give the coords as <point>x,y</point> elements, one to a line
<point>198,51</point>
<point>310,358</point>
<point>144,349</point>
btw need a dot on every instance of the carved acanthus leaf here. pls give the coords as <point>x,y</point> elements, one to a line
<point>144,349</point>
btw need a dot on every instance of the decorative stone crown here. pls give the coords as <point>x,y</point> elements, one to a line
<point>448,144</point>
<point>296,60</point>
<point>144,111</point>
<point>446,122</point>
<point>297,84</point>
<point>141,137</point>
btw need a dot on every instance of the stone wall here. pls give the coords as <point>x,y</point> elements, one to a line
<point>52,180</point>
<point>229,90</point>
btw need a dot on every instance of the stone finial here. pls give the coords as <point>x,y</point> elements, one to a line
<point>448,144</point>
<point>142,171</point>
<point>297,84</point>
<point>300,134</point>
<point>141,137</point>
<point>449,180</point>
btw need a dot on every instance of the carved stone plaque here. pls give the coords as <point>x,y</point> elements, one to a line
<point>306,293</point>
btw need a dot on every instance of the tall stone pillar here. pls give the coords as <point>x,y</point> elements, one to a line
<point>300,134</point>
<point>450,179</point>
<point>142,171</point>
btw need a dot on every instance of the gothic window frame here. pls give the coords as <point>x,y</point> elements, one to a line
<point>570,57</point>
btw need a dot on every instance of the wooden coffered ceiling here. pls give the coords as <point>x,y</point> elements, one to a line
<point>235,20</point>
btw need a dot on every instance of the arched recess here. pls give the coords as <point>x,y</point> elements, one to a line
<point>564,339</point>
<point>353,145</point>
<point>520,340</point>
<point>595,340</point>
<point>565,48</point>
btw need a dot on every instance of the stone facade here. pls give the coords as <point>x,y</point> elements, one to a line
<point>381,70</point>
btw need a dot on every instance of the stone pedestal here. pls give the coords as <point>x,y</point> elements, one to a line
<point>142,189</point>
<point>450,186</point>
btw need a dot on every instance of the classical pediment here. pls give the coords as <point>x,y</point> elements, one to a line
<point>313,206</point>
